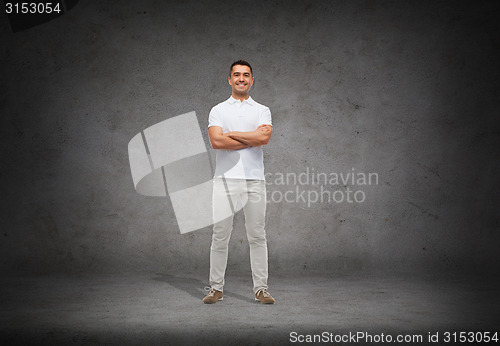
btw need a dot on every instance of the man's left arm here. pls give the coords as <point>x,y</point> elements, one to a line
<point>255,138</point>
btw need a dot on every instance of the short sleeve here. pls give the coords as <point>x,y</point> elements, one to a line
<point>265,117</point>
<point>214,118</point>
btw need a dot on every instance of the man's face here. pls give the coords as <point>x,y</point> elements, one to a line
<point>241,79</point>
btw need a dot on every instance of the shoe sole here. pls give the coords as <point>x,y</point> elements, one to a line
<point>221,298</point>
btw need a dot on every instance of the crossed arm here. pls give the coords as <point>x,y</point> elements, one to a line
<point>239,140</point>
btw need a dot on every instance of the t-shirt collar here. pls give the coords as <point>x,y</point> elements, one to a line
<point>250,101</point>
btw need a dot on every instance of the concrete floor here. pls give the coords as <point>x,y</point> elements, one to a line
<point>167,308</point>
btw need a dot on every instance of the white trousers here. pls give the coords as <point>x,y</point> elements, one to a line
<point>229,195</point>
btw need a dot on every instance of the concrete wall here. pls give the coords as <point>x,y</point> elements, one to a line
<point>408,91</point>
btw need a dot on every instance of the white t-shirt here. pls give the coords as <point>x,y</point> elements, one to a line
<point>246,116</point>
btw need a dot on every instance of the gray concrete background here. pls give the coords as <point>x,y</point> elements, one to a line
<point>408,90</point>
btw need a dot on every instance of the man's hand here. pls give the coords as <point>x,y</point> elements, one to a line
<point>264,128</point>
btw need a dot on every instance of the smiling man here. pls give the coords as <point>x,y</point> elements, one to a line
<point>238,128</point>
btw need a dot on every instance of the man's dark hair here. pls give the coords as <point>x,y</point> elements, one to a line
<point>240,62</point>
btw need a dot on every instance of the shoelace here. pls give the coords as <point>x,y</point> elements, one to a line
<point>210,290</point>
<point>264,292</point>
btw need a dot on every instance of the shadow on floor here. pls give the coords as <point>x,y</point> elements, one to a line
<point>194,287</point>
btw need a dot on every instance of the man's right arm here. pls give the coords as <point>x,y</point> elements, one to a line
<point>222,141</point>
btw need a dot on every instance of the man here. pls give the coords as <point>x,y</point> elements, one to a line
<point>238,128</point>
